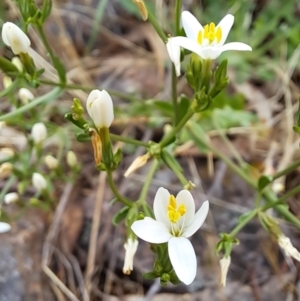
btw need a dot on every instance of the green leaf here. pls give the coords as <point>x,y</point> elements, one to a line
<point>8,67</point>
<point>183,106</point>
<point>195,130</point>
<point>120,215</point>
<point>165,107</point>
<point>150,275</point>
<point>46,10</point>
<point>170,161</point>
<point>264,181</point>
<point>60,69</point>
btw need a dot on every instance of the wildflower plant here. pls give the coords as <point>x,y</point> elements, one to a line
<point>168,226</point>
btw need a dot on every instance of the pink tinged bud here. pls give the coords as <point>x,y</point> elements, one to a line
<point>38,132</point>
<point>100,108</point>
<point>15,38</point>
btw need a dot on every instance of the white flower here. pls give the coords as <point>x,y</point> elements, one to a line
<point>100,108</point>
<point>286,245</point>
<point>130,248</point>
<point>207,42</point>
<point>71,159</point>
<point>15,38</point>
<point>224,264</point>
<point>4,227</point>
<point>25,95</point>
<point>38,132</point>
<point>175,221</point>
<point>174,53</point>
<point>51,162</point>
<point>11,197</point>
<point>39,182</point>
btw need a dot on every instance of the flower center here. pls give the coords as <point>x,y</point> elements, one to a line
<point>210,33</point>
<point>175,212</point>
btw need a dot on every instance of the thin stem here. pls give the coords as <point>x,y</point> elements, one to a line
<point>167,139</point>
<point>114,189</point>
<point>174,96</point>
<point>128,140</point>
<point>286,170</point>
<point>156,26</point>
<point>177,16</point>
<point>10,89</point>
<point>52,95</point>
<point>6,188</point>
<point>89,88</point>
<point>243,223</point>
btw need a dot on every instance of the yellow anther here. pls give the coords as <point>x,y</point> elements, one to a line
<point>172,203</point>
<point>173,216</point>
<point>219,34</point>
<point>182,209</point>
<point>200,37</point>
<point>212,27</point>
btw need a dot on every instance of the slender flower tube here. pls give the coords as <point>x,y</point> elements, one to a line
<point>15,38</point>
<point>224,265</point>
<point>139,162</point>
<point>175,222</point>
<point>174,53</point>
<point>4,227</point>
<point>25,96</point>
<point>286,245</point>
<point>100,108</point>
<point>130,248</point>
<point>38,132</point>
<point>39,182</point>
<point>11,197</point>
<point>208,41</point>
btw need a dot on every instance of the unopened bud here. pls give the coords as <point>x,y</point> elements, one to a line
<point>11,197</point>
<point>38,132</point>
<point>17,62</point>
<point>5,170</point>
<point>6,153</point>
<point>286,245</point>
<point>39,182</point>
<point>7,81</point>
<point>130,248</point>
<point>224,265</point>
<point>4,227</point>
<point>137,163</point>
<point>25,96</point>
<point>142,8</point>
<point>51,162</point>
<point>71,159</point>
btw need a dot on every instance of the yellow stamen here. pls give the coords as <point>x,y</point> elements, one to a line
<point>211,33</point>
<point>174,213</point>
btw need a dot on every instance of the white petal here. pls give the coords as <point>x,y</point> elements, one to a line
<point>225,24</point>
<point>235,46</point>
<point>185,197</point>
<point>94,94</point>
<point>183,258</point>
<point>160,205</point>
<point>174,53</point>
<point>191,25</point>
<point>4,33</point>
<point>198,221</point>
<point>151,230</point>
<point>188,44</point>
<point>210,53</point>
<point>4,227</point>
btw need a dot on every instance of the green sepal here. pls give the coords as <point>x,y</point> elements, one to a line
<point>78,122</point>
<point>82,137</point>
<point>150,276</point>
<point>46,10</point>
<point>264,181</point>
<point>8,67</point>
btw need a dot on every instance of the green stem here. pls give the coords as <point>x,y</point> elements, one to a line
<point>6,188</point>
<point>89,88</point>
<point>243,223</point>
<point>10,89</point>
<point>128,140</point>
<point>206,71</point>
<point>52,95</point>
<point>156,26</point>
<point>177,16</point>
<point>115,191</point>
<point>167,139</point>
<point>174,96</point>
<point>286,170</point>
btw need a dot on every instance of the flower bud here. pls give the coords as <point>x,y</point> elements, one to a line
<point>100,108</point>
<point>7,81</point>
<point>142,8</point>
<point>11,197</point>
<point>6,153</point>
<point>286,245</point>
<point>136,164</point>
<point>38,132</point>
<point>130,248</point>
<point>174,53</point>
<point>4,227</point>
<point>51,162</point>
<point>15,38</point>
<point>5,169</point>
<point>71,159</point>
<point>39,182</point>
<point>224,264</point>
<point>25,96</point>
<point>17,62</point>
